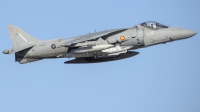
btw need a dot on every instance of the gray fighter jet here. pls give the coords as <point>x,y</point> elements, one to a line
<point>109,45</point>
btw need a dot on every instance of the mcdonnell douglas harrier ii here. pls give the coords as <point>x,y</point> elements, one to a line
<point>109,45</point>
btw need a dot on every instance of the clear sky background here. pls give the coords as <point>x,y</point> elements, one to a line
<point>162,78</point>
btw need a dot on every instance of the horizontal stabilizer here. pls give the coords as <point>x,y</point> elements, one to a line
<point>15,50</point>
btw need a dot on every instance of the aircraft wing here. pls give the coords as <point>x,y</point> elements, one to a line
<point>91,36</point>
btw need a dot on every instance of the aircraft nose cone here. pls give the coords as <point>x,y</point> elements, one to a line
<point>188,33</point>
<point>183,34</point>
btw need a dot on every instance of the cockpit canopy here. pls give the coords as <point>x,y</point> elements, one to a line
<point>153,25</point>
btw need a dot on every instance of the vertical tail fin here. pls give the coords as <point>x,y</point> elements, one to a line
<point>20,38</point>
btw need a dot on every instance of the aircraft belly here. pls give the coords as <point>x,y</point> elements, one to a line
<point>103,59</point>
<point>78,55</point>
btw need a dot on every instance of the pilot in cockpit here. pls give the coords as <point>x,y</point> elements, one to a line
<point>150,25</point>
<point>153,25</point>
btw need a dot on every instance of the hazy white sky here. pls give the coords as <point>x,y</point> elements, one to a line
<point>162,78</point>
